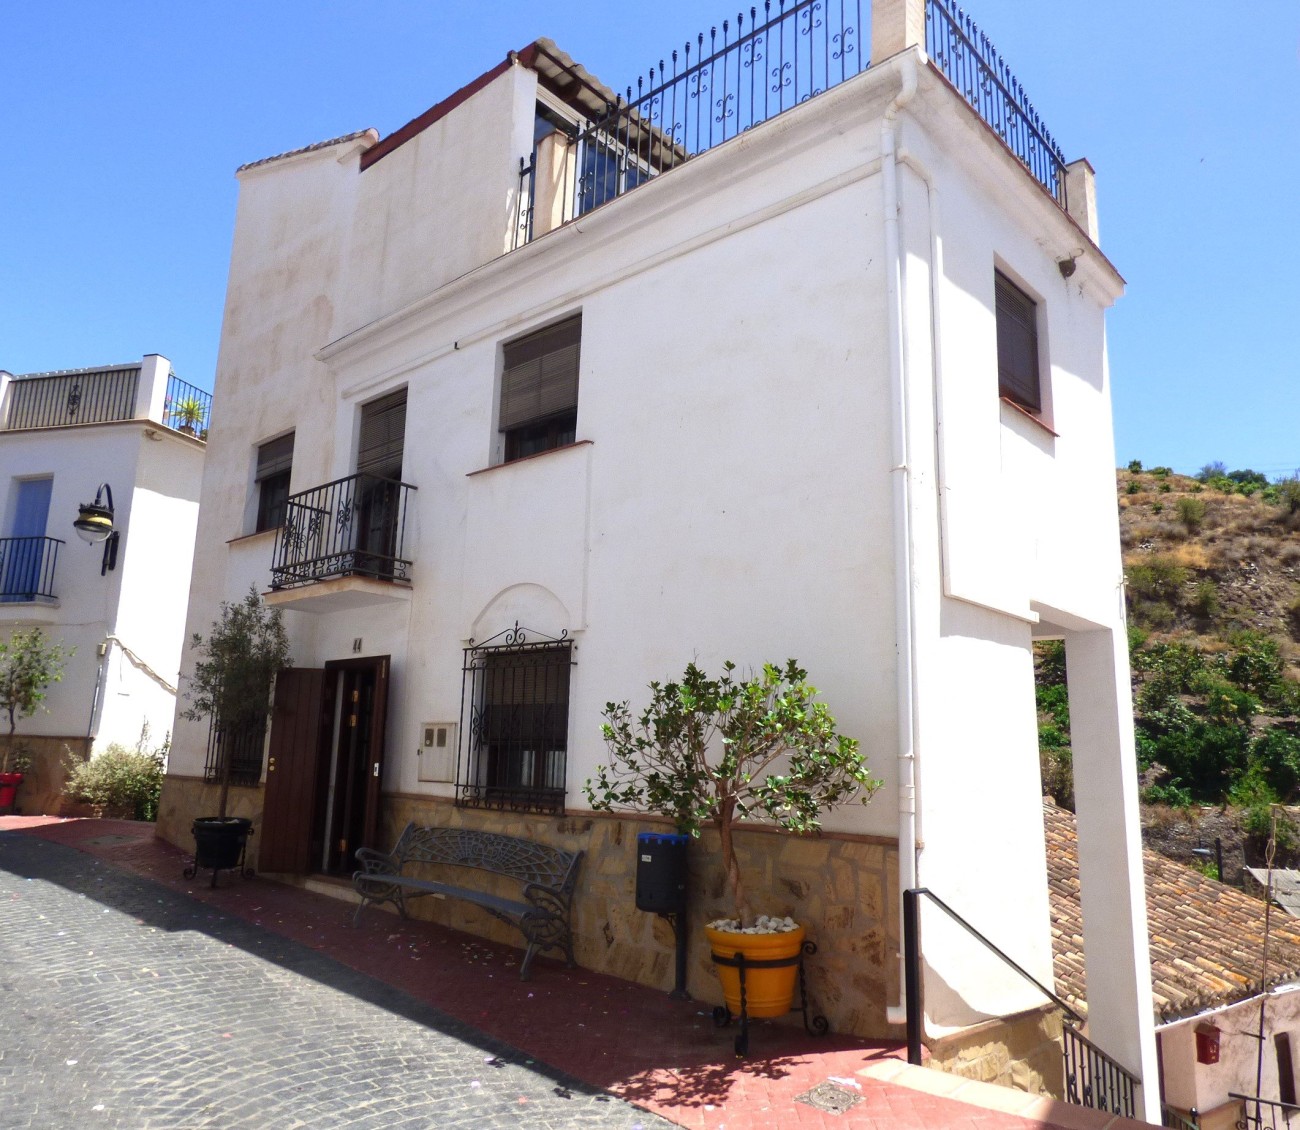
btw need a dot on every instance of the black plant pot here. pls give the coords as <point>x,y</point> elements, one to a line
<point>219,843</point>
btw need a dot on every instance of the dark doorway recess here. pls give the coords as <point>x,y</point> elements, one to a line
<point>325,766</point>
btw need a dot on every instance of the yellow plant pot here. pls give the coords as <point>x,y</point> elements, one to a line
<point>768,992</point>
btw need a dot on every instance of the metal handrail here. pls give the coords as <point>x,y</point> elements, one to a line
<point>1257,1120</point>
<point>912,979</point>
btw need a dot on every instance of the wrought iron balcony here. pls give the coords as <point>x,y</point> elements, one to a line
<point>352,527</point>
<point>187,407</point>
<point>27,569</point>
<point>82,397</point>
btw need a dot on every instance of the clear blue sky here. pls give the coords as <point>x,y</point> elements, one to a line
<point>124,123</point>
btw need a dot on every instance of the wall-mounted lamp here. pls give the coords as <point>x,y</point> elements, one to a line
<point>95,524</point>
<point>1066,266</point>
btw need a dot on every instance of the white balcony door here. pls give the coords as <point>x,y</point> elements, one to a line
<point>22,559</point>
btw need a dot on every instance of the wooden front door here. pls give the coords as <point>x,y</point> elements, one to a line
<point>348,792</point>
<point>301,705</point>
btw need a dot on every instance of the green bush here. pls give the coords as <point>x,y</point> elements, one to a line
<point>120,778</point>
<point>1191,512</point>
<point>1171,792</point>
<point>1205,600</point>
<point>1158,579</point>
<point>1135,466</point>
<point>1133,487</point>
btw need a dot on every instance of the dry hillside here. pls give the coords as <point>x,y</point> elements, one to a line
<point>1205,563</point>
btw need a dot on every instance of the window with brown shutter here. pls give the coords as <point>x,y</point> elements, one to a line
<point>1017,318</point>
<point>274,464</point>
<point>383,436</point>
<point>539,389</point>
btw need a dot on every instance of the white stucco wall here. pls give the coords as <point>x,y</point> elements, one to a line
<point>141,603</point>
<point>732,494</point>
<point>1241,1069</point>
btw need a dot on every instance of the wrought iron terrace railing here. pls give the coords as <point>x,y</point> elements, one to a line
<point>972,64</point>
<point>59,399</point>
<point>27,568</point>
<point>354,526</point>
<point>187,407</point>
<point>727,82</point>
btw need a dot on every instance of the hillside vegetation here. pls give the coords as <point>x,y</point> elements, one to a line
<point>1212,571</point>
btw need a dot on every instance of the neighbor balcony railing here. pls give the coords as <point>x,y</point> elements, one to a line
<point>723,84</point>
<point>93,397</point>
<point>1265,1114</point>
<point>352,527</point>
<point>27,568</point>
<point>972,64</point>
<point>187,407</point>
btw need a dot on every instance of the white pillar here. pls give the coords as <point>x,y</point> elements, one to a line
<point>151,389</point>
<point>896,25</point>
<point>6,382</point>
<point>1116,949</point>
<point>1081,197</point>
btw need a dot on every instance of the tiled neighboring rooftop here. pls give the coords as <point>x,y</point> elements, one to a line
<point>1206,938</point>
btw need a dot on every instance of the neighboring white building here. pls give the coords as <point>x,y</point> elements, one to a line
<point>821,377</point>
<point>120,604</point>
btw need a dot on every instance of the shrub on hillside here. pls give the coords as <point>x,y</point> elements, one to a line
<point>1191,512</point>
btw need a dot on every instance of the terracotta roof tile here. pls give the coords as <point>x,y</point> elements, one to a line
<point>374,135</point>
<point>1206,938</point>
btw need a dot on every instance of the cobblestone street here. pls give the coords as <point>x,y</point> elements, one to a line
<point>125,1004</point>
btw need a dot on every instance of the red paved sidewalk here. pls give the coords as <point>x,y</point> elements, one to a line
<point>635,1042</point>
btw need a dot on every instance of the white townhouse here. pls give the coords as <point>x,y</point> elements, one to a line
<point>129,438</point>
<point>794,347</point>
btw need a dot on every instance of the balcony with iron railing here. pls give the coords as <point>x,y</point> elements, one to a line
<point>343,545</point>
<point>145,391</point>
<point>745,73</point>
<point>27,567</point>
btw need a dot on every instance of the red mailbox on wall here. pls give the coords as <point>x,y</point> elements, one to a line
<point>1207,1043</point>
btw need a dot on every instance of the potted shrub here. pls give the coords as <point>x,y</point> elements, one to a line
<point>28,665</point>
<point>718,751</point>
<point>231,686</point>
<point>189,411</point>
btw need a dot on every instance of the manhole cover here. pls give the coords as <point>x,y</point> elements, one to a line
<point>830,1097</point>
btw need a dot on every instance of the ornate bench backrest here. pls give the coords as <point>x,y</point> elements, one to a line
<point>519,859</point>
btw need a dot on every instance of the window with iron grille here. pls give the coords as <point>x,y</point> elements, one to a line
<point>539,389</point>
<point>244,745</point>
<point>274,465</point>
<point>515,723</point>
<point>1017,318</point>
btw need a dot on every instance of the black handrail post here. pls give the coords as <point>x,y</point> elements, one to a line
<point>912,973</point>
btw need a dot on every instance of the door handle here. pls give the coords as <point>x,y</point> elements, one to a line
<point>376,769</point>
<point>270,765</point>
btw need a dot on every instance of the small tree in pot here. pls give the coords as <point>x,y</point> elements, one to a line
<point>28,664</point>
<point>717,751</point>
<point>232,684</point>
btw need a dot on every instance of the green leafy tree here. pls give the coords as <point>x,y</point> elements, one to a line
<point>716,751</point>
<point>28,665</point>
<point>235,672</point>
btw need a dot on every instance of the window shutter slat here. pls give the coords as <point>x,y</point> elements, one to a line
<point>540,377</point>
<point>274,457</point>
<point>1017,330</point>
<point>383,436</point>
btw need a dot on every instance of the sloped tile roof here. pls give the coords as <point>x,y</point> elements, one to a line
<point>374,135</point>
<point>1206,938</point>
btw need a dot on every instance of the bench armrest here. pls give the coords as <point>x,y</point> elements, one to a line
<point>377,862</point>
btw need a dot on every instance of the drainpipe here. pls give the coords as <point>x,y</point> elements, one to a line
<point>904,618</point>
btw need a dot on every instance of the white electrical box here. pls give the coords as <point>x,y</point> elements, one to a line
<point>437,751</point>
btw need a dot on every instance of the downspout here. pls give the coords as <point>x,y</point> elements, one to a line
<point>904,618</point>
